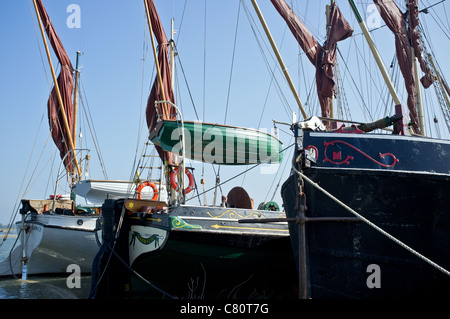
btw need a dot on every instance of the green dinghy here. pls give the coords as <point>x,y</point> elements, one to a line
<point>217,143</point>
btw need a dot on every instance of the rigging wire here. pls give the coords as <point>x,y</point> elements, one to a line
<point>260,39</point>
<point>38,43</point>
<point>204,81</point>
<point>112,252</point>
<point>446,17</point>
<point>232,63</point>
<point>237,175</point>
<point>281,175</point>
<point>272,78</point>
<point>204,66</point>
<point>141,117</point>
<point>368,222</point>
<point>228,97</point>
<point>19,197</point>
<point>15,208</point>
<point>429,51</point>
<point>134,175</point>
<point>436,17</point>
<point>88,115</point>
<point>181,21</point>
<point>356,87</point>
<point>188,88</point>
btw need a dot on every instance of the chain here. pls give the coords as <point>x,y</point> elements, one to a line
<point>301,196</point>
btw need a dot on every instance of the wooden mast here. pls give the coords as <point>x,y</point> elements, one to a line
<point>75,103</point>
<point>172,53</point>
<point>64,116</point>
<point>75,110</point>
<point>420,111</point>
<point>328,15</point>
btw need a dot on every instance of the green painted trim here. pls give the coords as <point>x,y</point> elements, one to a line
<point>178,223</point>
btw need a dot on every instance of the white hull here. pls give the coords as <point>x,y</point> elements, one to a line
<point>96,191</point>
<point>53,243</point>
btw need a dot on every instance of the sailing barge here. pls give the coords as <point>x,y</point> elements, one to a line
<point>55,232</point>
<point>400,203</point>
<point>171,249</point>
<point>369,212</point>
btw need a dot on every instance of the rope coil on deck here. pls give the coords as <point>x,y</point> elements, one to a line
<point>438,267</point>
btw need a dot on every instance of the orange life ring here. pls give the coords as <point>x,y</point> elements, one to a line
<point>147,183</point>
<point>173,180</point>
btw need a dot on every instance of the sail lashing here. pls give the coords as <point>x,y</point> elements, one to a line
<point>322,57</point>
<point>428,78</point>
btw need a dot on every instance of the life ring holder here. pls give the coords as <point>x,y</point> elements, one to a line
<point>147,183</point>
<point>174,183</point>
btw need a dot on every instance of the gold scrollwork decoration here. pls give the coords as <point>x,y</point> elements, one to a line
<point>231,213</point>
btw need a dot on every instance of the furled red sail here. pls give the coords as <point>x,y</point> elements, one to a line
<point>395,21</point>
<point>165,111</point>
<point>340,30</point>
<point>322,58</point>
<point>428,77</point>
<point>65,83</point>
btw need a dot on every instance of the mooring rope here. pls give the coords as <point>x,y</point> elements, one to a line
<point>435,265</point>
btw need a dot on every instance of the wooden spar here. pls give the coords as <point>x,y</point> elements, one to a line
<point>75,103</point>
<point>75,110</point>
<point>420,112</point>
<point>172,53</point>
<point>279,58</point>
<point>158,69</point>
<point>375,53</point>
<point>66,123</point>
<point>328,11</point>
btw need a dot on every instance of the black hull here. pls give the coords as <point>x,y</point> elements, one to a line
<point>411,206</point>
<point>210,266</point>
<point>203,252</point>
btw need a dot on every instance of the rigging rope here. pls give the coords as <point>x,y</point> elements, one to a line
<point>281,175</point>
<point>113,252</point>
<point>365,220</point>
<point>356,87</point>
<point>237,175</point>
<point>440,23</point>
<point>257,32</point>
<point>187,86</point>
<point>87,114</point>
<point>142,107</point>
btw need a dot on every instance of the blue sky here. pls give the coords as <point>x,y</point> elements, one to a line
<point>113,36</point>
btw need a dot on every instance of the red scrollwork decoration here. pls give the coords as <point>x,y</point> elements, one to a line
<point>337,156</point>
